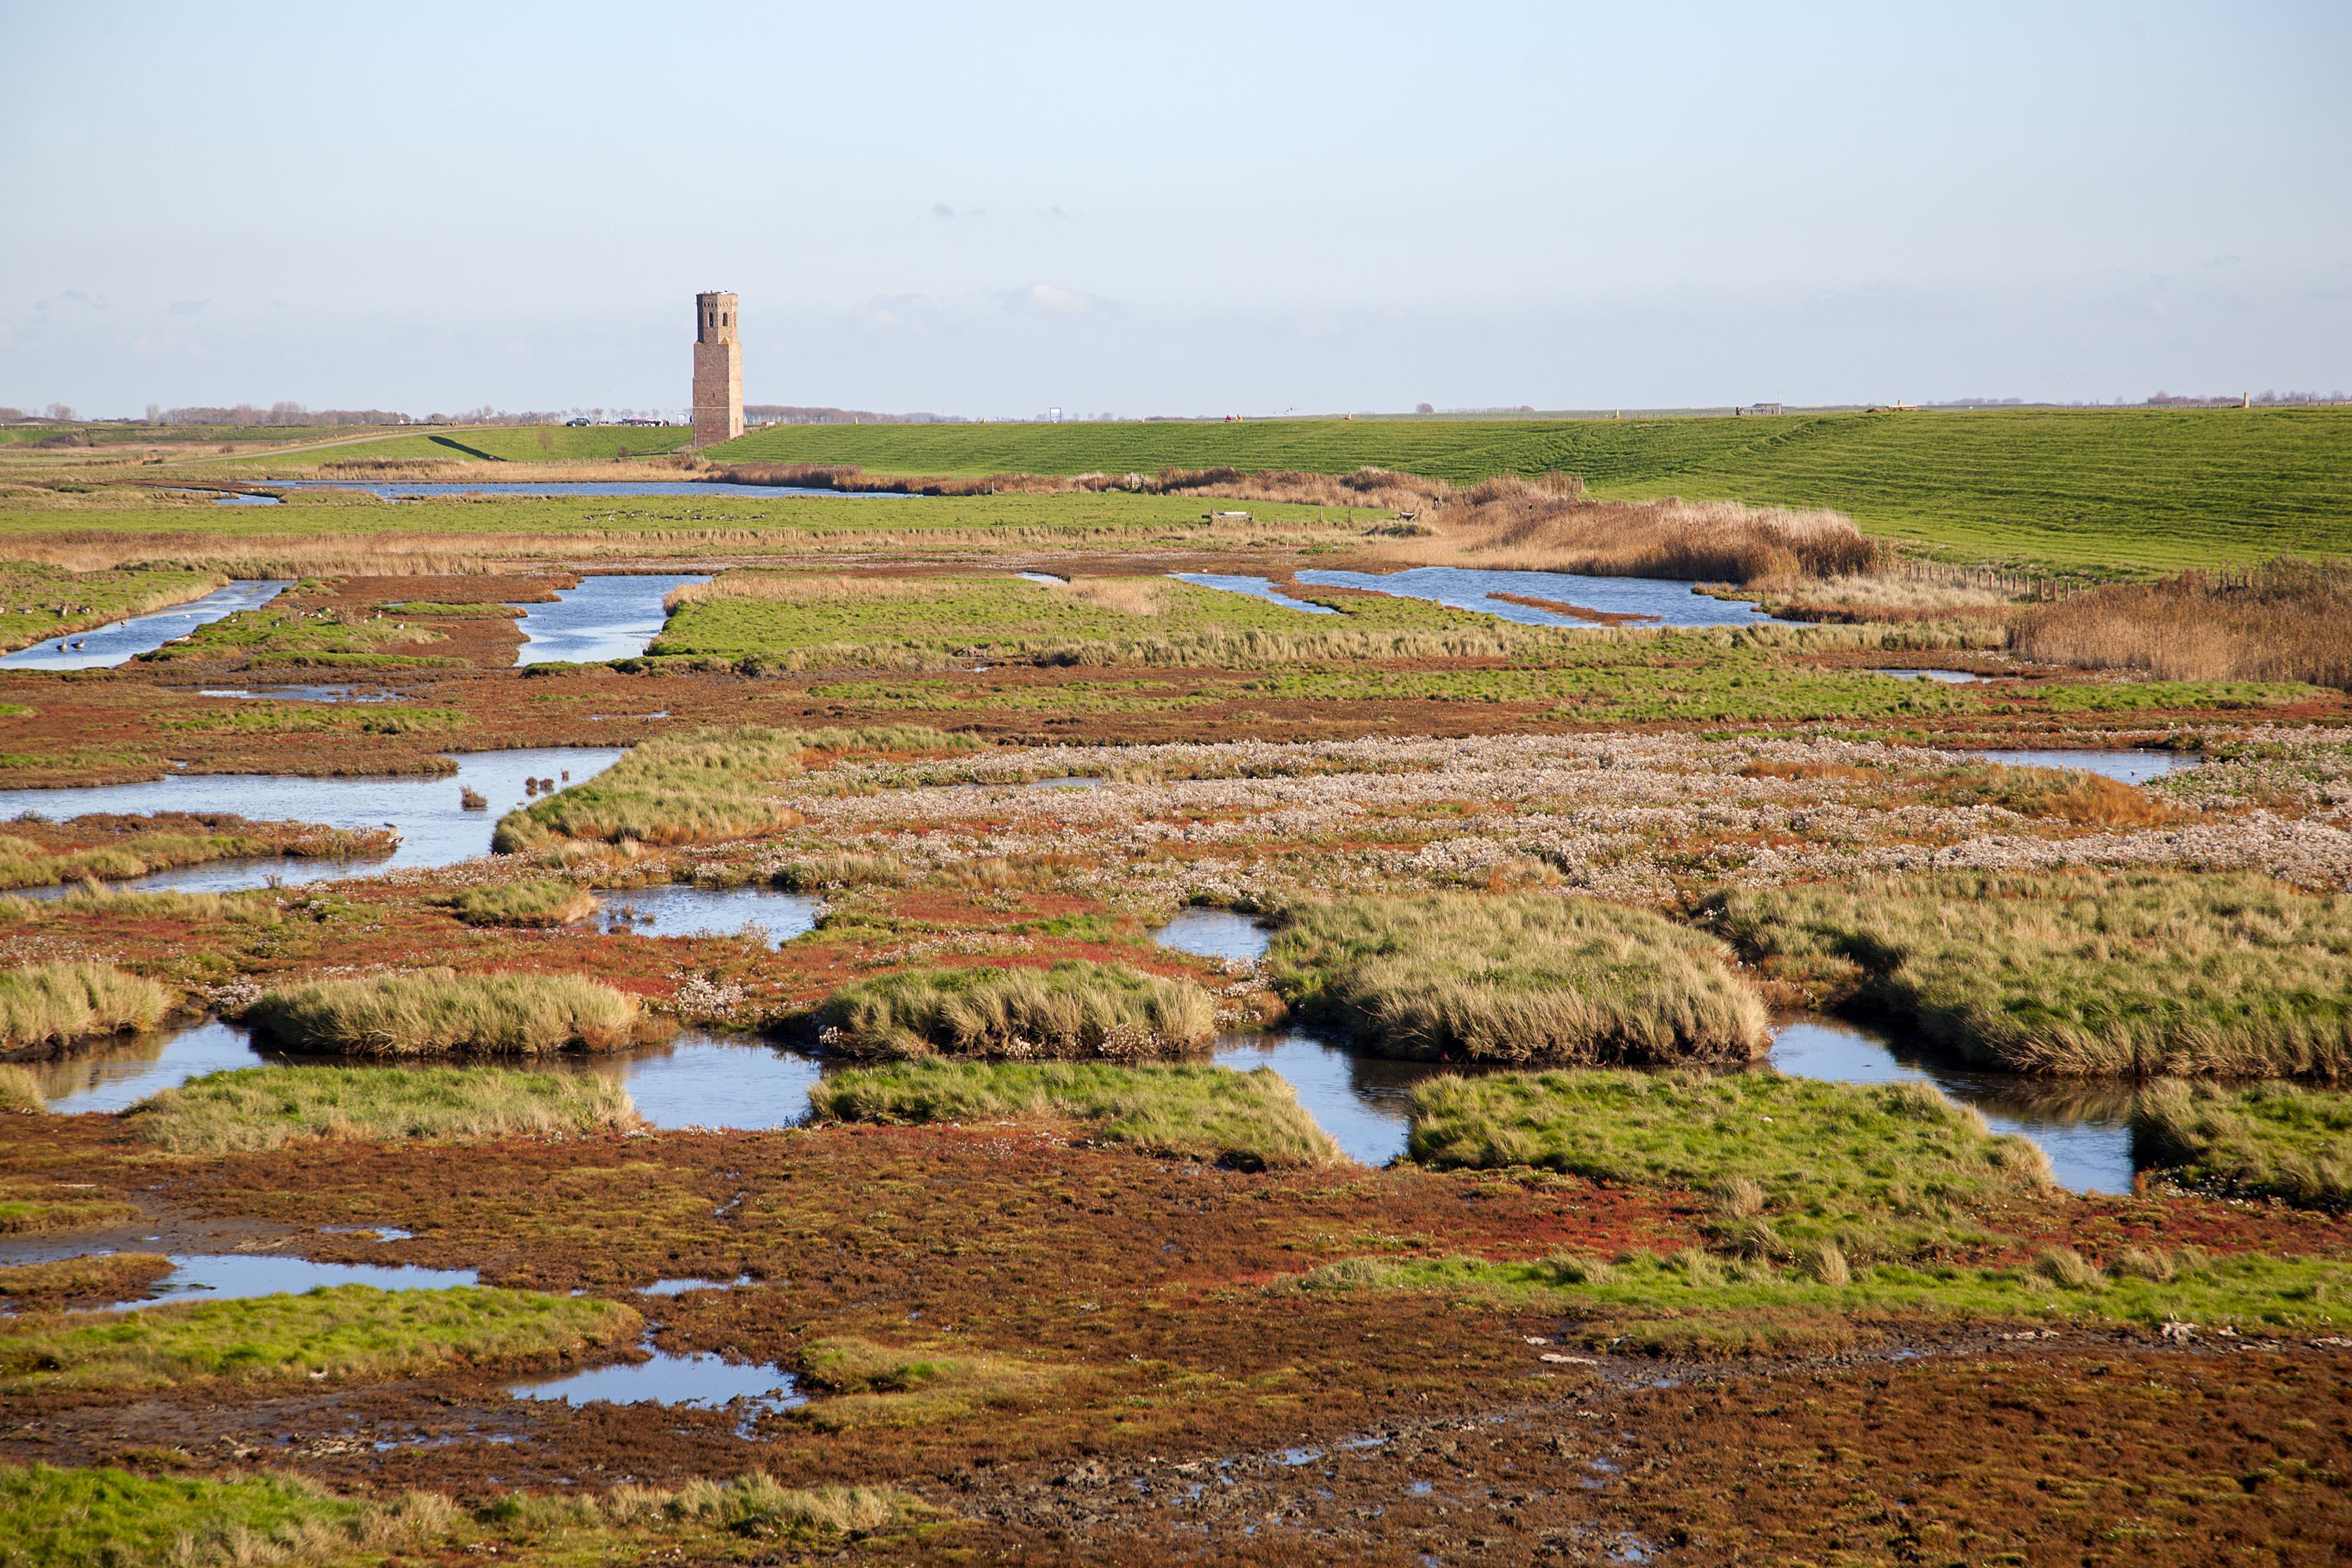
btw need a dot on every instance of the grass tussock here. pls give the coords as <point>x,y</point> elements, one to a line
<point>267,1107</point>
<point>1076,1009</point>
<point>439,1012</point>
<point>866,1384</point>
<point>1249,1120</point>
<point>1785,1163</point>
<point>2290,620</point>
<point>1693,1302</point>
<point>20,1092</point>
<point>1527,978</point>
<point>2143,973</point>
<point>54,1518</point>
<point>81,1282</point>
<point>1530,525</point>
<point>341,1332</point>
<point>57,1004</point>
<point>712,784</point>
<point>542,902</point>
<point>2269,1141</point>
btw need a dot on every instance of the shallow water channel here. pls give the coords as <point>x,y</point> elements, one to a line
<point>609,616</point>
<point>2133,767</point>
<point>122,640</point>
<point>434,827</point>
<point>1664,601</point>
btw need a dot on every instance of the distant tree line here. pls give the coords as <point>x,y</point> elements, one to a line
<point>792,414</point>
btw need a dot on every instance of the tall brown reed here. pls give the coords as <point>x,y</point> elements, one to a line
<point>2287,620</point>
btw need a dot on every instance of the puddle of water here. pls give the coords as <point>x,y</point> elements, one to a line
<point>241,499</point>
<point>1046,577</point>
<point>434,827</point>
<point>604,617</point>
<point>680,1287</point>
<point>372,1232</point>
<point>1215,934</point>
<point>1297,1456</point>
<point>675,910</point>
<point>1361,1101</point>
<point>1941,677</point>
<point>1073,781</point>
<point>2134,767</point>
<point>2085,1129</point>
<point>112,645</point>
<point>1673,603</point>
<point>700,1381</point>
<point>236,1276</point>
<point>1255,587</point>
<point>304,693</point>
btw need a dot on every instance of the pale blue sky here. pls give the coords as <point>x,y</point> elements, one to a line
<point>1192,209</point>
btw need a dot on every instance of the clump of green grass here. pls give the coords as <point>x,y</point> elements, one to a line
<point>2267,1140</point>
<point>1886,1169</point>
<point>56,1004</point>
<point>1196,1111</point>
<point>1076,1009</point>
<point>712,784</point>
<point>101,1277</point>
<point>439,1012</point>
<point>756,1506</point>
<point>54,1518</point>
<point>20,1092</point>
<point>872,1384</point>
<point>2141,973</point>
<point>266,1107</point>
<point>542,902</point>
<point>344,1331</point>
<point>1516,979</point>
<point>1641,1296</point>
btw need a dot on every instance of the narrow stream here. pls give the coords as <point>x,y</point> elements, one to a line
<point>122,640</point>
<point>611,616</point>
<point>1666,601</point>
<point>1255,587</point>
<point>2133,767</point>
<point>673,908</point>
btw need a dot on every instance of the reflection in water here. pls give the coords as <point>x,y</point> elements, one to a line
<point>604,617</point>
<point>2084,1128</point>
<point>112,645</point>
<point>435,829</point>
<point>1228,934</point>
<point>700,1381</point>
<point>230,1276</point>
<point>1941,677</point>
<point>679,909</point>
<point>1255,587</point>
<point>1463,588</point>
<point>116,1074</point>
<point>1360,1101</point>
<point>2134,767</point>
<point>304,693</point>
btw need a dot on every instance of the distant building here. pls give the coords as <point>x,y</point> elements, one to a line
<point>1758,408</point>
<point>717,371</point>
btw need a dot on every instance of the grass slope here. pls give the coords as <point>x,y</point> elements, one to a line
<point>1250,1119</point>
<point>2092,488</point>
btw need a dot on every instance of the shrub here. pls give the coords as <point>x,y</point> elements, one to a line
<point>434,1012</point>
<point>1251,1120</point>
<point>56,1004</point>
<point>1077,1009</point>
<point>265,1108</point>
<point>1519,979</point>
<point>2138,974</point>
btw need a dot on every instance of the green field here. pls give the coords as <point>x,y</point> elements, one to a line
<point>2154,488</point>
<point>506,444</point>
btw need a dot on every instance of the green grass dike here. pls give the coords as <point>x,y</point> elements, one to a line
<point>2140,974</point>
<point>439,1012</point>
<point>338,1334</point>
<point>1249,1120</point>
<point>267,1107</point>
<point>1076,1009</point>
<point>1525,978</point>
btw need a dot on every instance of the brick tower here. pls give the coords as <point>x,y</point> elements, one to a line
<point>717,371</point>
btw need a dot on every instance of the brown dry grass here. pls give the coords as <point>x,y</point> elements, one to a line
<point>2287,620</point>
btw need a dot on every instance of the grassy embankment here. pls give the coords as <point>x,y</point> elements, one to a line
<point>48,1004</point>
<point>2132,973</point>
<point>2094,489</point>
<point>712,784</point>
<point>40,602</point>
<point>266,1107</point>
<point>1515,979</point>
<point>1076,1009</point>
<point>438,1012</point>
<point>1250,1119</point>
<point>348,1332</point>
<point>2269,1141</point>
<point>110,848</point>
<point>58,1517</point>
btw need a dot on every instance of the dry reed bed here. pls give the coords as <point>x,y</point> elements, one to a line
<point>2287,620</point>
